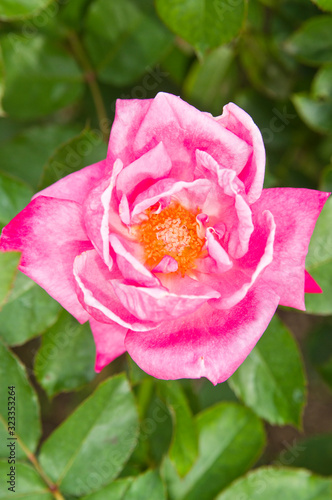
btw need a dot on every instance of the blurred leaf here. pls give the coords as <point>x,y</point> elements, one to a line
<point>184,448</point>
<point>83,150</point>
<point>208,83</point>
<point>115,491</point>
<point>66,358</point>
<point>320,349</point>
<point>14,196</point>
<point>317,114</point>
<point>148,486</point>
<point>29,485</point>
<point>322,84</point>
<point>261,383</point>
<point>204,25</point>
<point>324,4</point>
<point>11,10</point>
<point>40,77</point>
<point>312,43</point>
<point>90,448</point>
<point>231,439</point>
<point>73,13</point>
<point>9,262</point>
<point>26,153</point>
<point>326,179</point>
<point>319,263</point>
<point>314,453</point>
<point>27,425</point>
<point>274,484</point>
<point>28,312</point>
<point>136,42</point>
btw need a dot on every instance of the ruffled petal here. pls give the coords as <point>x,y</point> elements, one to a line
<point>109,340</point>
<point>77,185</point>
<point>234,284</point>
<point>128,118</point>
<point>295,212</point>
<point>183,129</point>
<point>241,124</point>
<point>49,233</point>
<point>208,343</point>
<point>137,176</point>
<point>310,285</point>
<point>131,268</point>
<point>96,294</point>
<point>159,304</point>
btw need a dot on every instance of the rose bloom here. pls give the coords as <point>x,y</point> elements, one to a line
<point>170,247</point>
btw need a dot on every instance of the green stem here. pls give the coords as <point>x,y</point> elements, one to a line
<point>91,80</point>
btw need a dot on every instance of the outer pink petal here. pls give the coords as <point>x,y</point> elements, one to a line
<point>76,186</point>
<point>152,165</point>
<point>310,285</point>
<point>295,212</point>
<point>96,294</point>
<point>241,124</point>
<point>109,340</point>
<point>159,304</point>
<point>183,129</point>
<point>100,211</point>
<point>208,343</point>
<point>50,234</point>
<point>128,118</point>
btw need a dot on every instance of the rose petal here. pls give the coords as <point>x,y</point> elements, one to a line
<point>295,212</point>
<point>77,185</point>
<point>158,304</point>
<point>109,340</point>
<point>183,129</point>
<point>152,165</point>
<point>166,265</point>
<point>241,124</point>
<point>96,293</point>
<point>50,234</point>
<point>217,252</point>
<point>310,285</point>
<point>208,343</point>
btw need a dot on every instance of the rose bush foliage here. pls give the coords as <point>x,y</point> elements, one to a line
<point>171,247</point>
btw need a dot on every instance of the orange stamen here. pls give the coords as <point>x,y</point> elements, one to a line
<point>171,232</point>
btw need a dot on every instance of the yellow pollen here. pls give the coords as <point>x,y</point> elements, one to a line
<point>172,232</point>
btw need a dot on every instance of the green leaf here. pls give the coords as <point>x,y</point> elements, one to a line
<point>322,84</point>
<point>209,82</point>
<point>204,25</point>
<point>8,268</point>
<point>83,150</point>
<point>320,349</point>
<point>274,484</point>
<point>29,484</point>
<point>184,447</point>
<point>66,358</point>
<point>115,491</point>
<point>261,380</point>
<point>50,78</point>
<point>324,4</point>
<point>28,312</point>
<point>326,179</point>
<point>319,263</point>
<point>314,453</point>
<point>10,10</point>
<point>90,448</point>
<point>14,196</point>
<point>312,43</point>
<point>27,425</point>
<point>147,486</point>
<point>26,153</point>
<point>317,114</point>
<point>136,42</point>
<point>231,439</point>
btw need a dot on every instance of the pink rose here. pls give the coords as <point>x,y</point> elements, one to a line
<point>170,247</point>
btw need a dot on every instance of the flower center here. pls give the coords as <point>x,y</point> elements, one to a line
<point>172,232</point>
